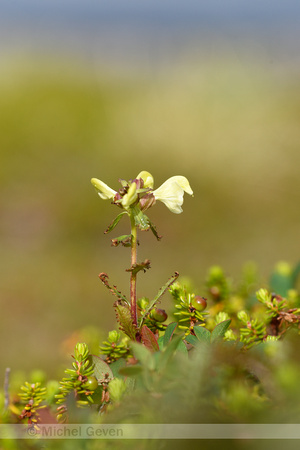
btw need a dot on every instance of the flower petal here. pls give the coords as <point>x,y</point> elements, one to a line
<point>104,191</point>
<point>183,183</point>
<point>131,196</point>
<point>147,178</point>
<point>171,193</point>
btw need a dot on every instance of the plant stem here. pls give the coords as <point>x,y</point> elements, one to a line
<point>6,388</point>
<point>133,299</point>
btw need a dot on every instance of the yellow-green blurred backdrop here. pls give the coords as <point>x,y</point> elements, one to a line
<point>225,116</point>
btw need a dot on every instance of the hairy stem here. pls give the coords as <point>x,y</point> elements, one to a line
<point>133,299</point>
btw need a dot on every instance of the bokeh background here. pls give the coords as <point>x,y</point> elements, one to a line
<point>205,89</point>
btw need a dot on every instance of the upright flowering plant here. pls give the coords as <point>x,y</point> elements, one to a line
<point>134,198</point>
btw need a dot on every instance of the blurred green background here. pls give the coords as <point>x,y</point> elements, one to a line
<point>225,116</point>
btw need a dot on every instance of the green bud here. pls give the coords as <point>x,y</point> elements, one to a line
<point>116,389</point>
<point>262,295</point>
<point>81,352</point>
<point>230,336</point>
<point>221,316</point>
<point>143,302</point>
<point>243,316</point>
<point>147,178</point>
<point>113,336</point>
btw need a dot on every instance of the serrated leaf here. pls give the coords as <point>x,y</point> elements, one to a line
<point>124,240</point>
<point>144,355</point>
<point>154,231</point>
<point>161,292</point>
<point>101,368</point>
<point>149,340</point>
<point>169,332</point>
<point>140,219</point>
<point>125,320</point>
<point>113,289</point>
<point>202,334</point>
<point>115,222</point>
<point>219,331</point>
<point>139,266</point>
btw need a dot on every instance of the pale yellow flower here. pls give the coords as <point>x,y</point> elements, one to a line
<point>131,196</point>
<point>171,193</point>
<point>104,191</point>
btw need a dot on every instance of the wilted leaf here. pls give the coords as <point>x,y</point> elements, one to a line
<point>139,266</point>
<point>125,240</point>
<point>113,289</point>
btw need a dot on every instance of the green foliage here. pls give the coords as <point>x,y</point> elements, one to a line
<point>233,366</point>
<point>187,315</point>
<point>115,346</point>
<point>148,306</point>
<point>86,381</point>
<point>219,361</point>
<point>32,396</point>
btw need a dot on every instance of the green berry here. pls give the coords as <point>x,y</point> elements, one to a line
<point>91,383</point>
<point>159,315</point>
<point>199,303</point>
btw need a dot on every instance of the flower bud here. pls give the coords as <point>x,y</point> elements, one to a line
<point>159,315</point>
<point>147,201</point>
<point>113,336</point>
<point>130,197</point>
<point>147,179</point>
